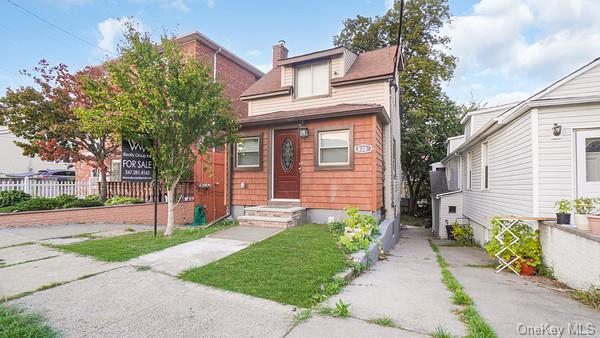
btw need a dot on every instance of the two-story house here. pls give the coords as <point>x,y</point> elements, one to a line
<point>322,134</point>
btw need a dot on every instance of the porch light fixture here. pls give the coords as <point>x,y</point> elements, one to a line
<point>303,132</point>
<point>556,129</point>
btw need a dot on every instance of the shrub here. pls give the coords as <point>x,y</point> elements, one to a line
<point>463,234</point>
<point>65,199</point>
<point>563,206</point>
<point>92,197</point>
<point>584,205</point>
<point>83,203</point>
<point>38,203</point>
<point>337,227</point>
<point>360,231</point>
<point>528,246</point>
<point>12,197</point>
<point>123,200</point>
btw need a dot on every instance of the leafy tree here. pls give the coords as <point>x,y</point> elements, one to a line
<point>430,117</point>
<point>47,118</point>
<point>169,103</point>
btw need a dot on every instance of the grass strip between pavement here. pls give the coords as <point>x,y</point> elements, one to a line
<point>14,322</point>
<point>125,247</point>
<point>289,267</point>
<point>476,325</point>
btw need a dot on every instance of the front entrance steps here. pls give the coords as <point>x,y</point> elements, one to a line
<point>273,216</point>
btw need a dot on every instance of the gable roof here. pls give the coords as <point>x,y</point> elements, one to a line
<point>367,66</point>
<point>372,64</point>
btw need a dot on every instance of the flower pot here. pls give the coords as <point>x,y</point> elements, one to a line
<point>563,218</point>
<point>594,223</point>
<point>581,221</point>
<point>526,269</point>
<point>449,232</point>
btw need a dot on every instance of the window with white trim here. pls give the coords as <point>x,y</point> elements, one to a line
<point>247,153</point>
<point>312,79</point>
<point>334,148</point>
<point>485,170</point>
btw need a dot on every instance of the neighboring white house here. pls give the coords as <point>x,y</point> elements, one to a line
<point>12,160</point>
<point>519,159</point>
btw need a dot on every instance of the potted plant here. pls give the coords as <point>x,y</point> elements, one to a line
<point>583,206</point>
<point>594,218</point>
<point>563,208</point>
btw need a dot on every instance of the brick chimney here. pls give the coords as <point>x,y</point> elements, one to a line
<point>279,52</point>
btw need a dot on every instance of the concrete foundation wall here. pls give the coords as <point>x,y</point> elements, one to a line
<point>125,214</point>
<point>573,254</point>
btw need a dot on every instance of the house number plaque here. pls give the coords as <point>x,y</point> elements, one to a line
<point>363,148</point>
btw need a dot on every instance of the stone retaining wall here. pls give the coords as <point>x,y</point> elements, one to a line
<point>126,214</point>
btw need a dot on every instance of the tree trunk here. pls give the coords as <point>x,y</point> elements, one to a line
<point>103,185</point>
<point>171,210</point>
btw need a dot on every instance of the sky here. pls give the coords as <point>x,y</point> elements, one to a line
<point>507,49</point>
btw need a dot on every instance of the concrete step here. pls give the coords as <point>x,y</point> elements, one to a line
<point>296,215</point>
<point>266,221</point>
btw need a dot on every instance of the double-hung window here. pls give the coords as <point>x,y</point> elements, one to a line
<point>485,171</point>
<point>115,171</point>
<point>333,148</point>
<point>312,79</point>
<point>247,153</point>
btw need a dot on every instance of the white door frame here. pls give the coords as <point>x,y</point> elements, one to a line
<point>584,188</point>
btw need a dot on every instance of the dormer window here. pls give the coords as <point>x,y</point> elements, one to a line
<point>312,79</point>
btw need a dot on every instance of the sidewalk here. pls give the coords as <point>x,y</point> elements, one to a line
<point>407,288</point>
<point>512,304</point>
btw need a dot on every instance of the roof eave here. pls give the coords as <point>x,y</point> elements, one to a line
<point>285,91</point>
<point>380,111</point>
<point>338,83</point>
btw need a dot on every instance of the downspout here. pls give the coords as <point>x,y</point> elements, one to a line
<point>215,64</point>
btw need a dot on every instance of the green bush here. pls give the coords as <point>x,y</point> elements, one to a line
<point>527,248</point>
<point>65,199</point>
<point>38,203</point>
<point>337,227</point>
<point>463,234</point>
<point>92,197</point>
<point>83,203</point>
<point>12,197</point>
<point>362,230</point>
<point>123,200</point>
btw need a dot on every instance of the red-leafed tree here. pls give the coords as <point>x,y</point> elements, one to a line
<point>48,117</point>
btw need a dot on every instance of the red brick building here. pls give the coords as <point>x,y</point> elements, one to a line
<point>236,75</point>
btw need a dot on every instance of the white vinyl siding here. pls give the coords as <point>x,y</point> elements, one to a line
<point>447,201</point>
<point>349,59</point>
<point>479,120</point>
<point>510,175</point>
<point>360,93</point>
<point>312,79</point>
<point>586,84</point>
<point>557,154</point>
<point>468,128</point>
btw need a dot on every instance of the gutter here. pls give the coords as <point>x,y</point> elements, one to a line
<point>215,64</point>
<point>437,197</point>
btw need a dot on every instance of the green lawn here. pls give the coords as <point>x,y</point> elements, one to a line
<point>14,323</point>
<point>122,248</point>
<point>288,267</point>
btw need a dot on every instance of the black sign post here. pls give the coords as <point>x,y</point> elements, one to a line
<point>136,166</point>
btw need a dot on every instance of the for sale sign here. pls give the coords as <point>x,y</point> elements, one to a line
<point>136,162</point>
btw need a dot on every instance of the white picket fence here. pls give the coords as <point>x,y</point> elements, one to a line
<point>48,188</point>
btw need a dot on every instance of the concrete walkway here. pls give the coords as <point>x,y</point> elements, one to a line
<point>513,304</point>
<point>407,288</point>
<point>179,258</point>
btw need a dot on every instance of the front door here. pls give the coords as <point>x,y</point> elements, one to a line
<point>588,163</point>
<point>286,168</point>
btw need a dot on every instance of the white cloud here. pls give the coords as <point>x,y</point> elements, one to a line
<point>111,30</point>
<point>389,4</point>
<point>211,3</point>
<point>254,52</point>
<point>503,98</point>
<point>531,42</point>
